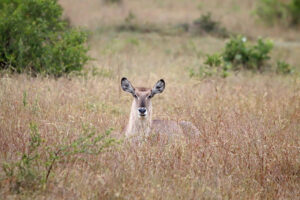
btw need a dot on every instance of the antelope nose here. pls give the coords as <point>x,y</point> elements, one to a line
<point>142,110</point>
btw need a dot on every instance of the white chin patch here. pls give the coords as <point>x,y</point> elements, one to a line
<point>142,115</point>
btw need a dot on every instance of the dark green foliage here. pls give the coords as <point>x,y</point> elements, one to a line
<point>294,8</point>
<point>205,24</point>
<point>259,54</point>
<point>34,38</point>
<point>235,51</point>
<point>240,53</point>
<point>279,12</point>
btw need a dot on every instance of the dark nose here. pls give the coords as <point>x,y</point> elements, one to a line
<point>142,110</point>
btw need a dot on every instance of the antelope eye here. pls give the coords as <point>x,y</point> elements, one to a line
<point>135,96</point>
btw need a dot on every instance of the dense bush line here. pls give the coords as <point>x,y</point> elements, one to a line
<point>35,39</point>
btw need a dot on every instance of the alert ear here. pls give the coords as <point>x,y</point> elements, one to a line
<point>158,87</point>
<point>126,86</point>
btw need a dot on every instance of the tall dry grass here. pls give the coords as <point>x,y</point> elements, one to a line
<point>248,149</point>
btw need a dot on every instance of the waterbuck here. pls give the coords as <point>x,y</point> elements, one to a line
<point>140,121</point>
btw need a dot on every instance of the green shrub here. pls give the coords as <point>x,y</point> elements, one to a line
<point>279,12</point>
<point>217,66</point>
<point>34,38</point>
<point>241,54</point>
<point>283,68</point>
<point>205,24</point>
<point>236,51</point>
<point>213,60</point>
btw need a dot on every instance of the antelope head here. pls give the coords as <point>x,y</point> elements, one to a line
<point>141,105</point>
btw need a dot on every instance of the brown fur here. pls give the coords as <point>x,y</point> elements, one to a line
<point>142,126</point>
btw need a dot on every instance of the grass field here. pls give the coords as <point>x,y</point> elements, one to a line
<point>249,146</point>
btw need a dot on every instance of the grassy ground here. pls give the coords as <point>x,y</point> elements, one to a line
<point>249,146</point>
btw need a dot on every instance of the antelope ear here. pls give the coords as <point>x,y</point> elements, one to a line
<point>158,87</point>
<point>126,86</point>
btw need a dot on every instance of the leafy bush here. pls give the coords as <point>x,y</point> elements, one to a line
<point>34,38</point>
<point>205,24</point>
<point>240,53</point>
<point>236,51</point>
<point>33,169</point>
<point>277,11</point>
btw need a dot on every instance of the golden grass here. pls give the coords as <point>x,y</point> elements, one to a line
<point>250,142</point>
<point>249,147</point>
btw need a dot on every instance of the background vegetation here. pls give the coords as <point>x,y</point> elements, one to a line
<point>35,39</point>
<point>55,136</point>
<point>284,13</point>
